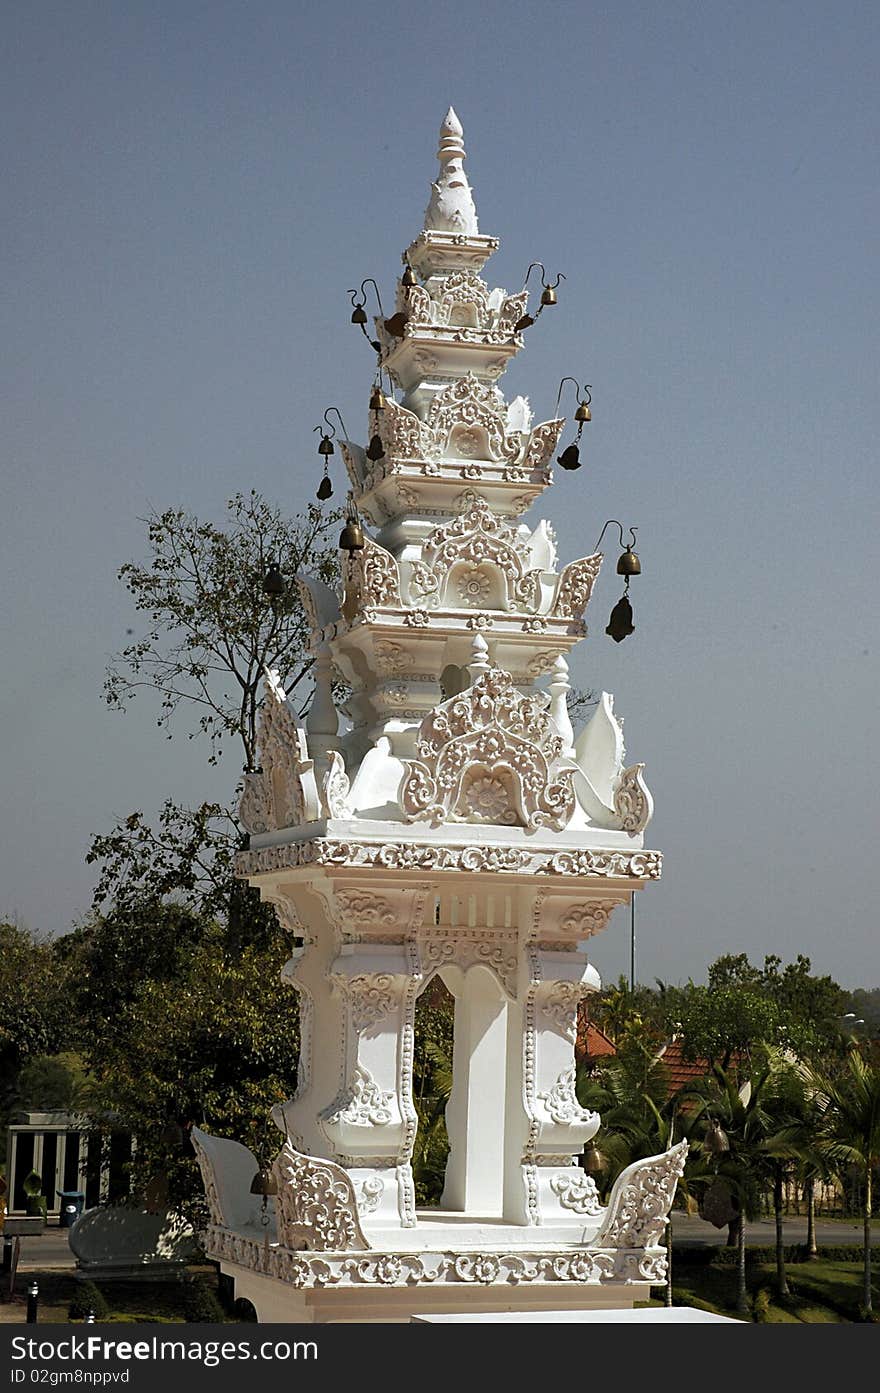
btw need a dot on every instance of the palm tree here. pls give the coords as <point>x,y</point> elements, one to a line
<point>639,1119</point>
<point>736,1127</point>
<point>848,1107</point>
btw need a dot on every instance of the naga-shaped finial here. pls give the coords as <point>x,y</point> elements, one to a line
<point>451,206</point>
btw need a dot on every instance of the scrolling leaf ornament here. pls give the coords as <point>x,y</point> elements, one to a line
<point>317,1203</point>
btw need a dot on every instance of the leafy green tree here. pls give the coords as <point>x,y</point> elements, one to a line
<point>50,1081</point>
<point>209,1036</point>
<point>744,1010</point>
<point>210,629</point>
<point>722,1024</point>
<point>182,1017</point>
<point>34,1015</point>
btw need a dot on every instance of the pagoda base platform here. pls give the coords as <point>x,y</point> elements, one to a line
<point>521,1271</point>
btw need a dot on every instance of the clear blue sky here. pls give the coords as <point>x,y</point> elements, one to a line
<point>189,190</point>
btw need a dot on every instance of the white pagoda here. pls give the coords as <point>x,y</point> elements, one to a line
<point>457,828</point>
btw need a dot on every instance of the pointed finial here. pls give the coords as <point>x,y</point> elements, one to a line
<point>479,663</point>
<point>558,709</point>
<point>451,206</point>
<point>451,138</point>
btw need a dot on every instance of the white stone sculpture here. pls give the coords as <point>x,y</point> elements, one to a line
<point>458,828</point>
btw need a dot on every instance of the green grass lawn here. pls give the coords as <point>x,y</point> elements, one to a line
<point>822,1292</point>
<point>127,1301</point>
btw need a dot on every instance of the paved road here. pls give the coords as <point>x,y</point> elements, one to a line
<point>50,1249</point>
<point>691,1230</point>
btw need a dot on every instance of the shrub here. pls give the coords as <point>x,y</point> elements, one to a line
<point>793,1252</point>
<point>761,1306</point>
<point>200,1304</point>
<point>87,1297</point>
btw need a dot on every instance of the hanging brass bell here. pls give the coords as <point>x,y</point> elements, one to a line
<point>548,295</point>
<point>378,400</point>
<point>324,489</point>
<point>358,315</point>
<point>375,450</point>
<point>628,563</point>
<point>325,445</point>
<point>620,622</point>
<point>408,279</point>
<point>594,1160</point>
<point>396,324</point>
<point>583,412</point>
<point>351,538</point>
<point>570,458</point>
<point>273,581</point>
<point>716,1140</point>
<point>264,1182</point>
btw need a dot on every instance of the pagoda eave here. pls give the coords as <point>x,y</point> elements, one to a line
<point>509,491</point>
<point>435,252</point>
<point>411,361</point>
<point>612,861</point>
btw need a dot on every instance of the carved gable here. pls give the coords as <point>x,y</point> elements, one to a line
<point>487,755</point>
<point>461,560</point>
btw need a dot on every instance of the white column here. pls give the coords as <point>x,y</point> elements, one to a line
<point>475,1111</point>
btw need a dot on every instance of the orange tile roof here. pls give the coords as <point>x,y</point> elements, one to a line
<point>591,1043</point>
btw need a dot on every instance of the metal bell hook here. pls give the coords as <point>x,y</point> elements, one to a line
<point>341,422</point>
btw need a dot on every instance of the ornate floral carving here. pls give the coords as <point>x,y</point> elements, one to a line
<point>359,907</point>
<point>560,1006</point>
<point>632,800</point>
<point>467,948</point>
<point>506,1269</point>
<point>317,1204</point>
<point>400,431</point>
<point>577,1191</point>
<point>480,621</point>
<point>417,618</point>
<point>470,548</point>
<point>584,920</point>
<point>542,662</point>
<point>647,865</point>
<point>370,1192</point>
<point>423,582</point>
<point>392,658</point>
<point>255,809</point>
<point>465,405</point>
<point>362,1103</point>
<point>371,997</point>
<point>429,856</point>
<point>561,1102</point>
<point>542,442</point>
<point>477,1267</point>
<point>474,586</point>
<point>335,787</point>
<point>488,799</point>
<point>463,296</point>
<point>488,727</point>
<point>373,573</point>
<point>641,1199</point>
<point>575,586</point>
<point>512,309</point>
<point>283,793</point>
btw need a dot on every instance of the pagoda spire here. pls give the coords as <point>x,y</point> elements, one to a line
<point>451,205</point>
